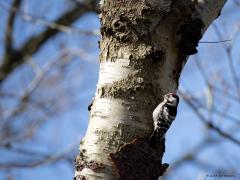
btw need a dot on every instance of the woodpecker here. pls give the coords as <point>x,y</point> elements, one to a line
<point>163,116</point>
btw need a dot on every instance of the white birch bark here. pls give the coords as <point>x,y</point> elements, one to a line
<point>139,62</point>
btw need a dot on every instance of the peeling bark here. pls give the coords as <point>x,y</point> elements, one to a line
<point>144,46</point>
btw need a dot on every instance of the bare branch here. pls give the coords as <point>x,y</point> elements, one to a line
<point>208,123</point>
<point>46,160</point>
<point>32,45</point>
<point>192,154</point>
<point>44,22</point>
<point>24,99</point>
<point>214,42</point>
<point>9,27</point>
<point>27,100</point>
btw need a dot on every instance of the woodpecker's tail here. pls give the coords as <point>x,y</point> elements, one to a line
<point>156,138</point>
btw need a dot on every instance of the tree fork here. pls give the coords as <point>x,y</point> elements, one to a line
<point>144,46</point>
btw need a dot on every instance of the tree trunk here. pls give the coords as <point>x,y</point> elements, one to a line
<point>144,46</point>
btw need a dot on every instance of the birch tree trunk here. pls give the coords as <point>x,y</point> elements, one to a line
<point>144,46</point>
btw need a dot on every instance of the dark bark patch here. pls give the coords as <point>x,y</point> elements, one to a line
<point>181,60</point>
<point>90,106</point>
<point>79,177</point>
<point>137,160</point>
<point>106,31</point>
<point>156,56</point>
<point>122,29</point>
<point>146,11</point>
<point>80,165</point>
<point>189,27</point>
<point>81,162</point>
<point>126,88</point>
<point>190,33</point>
<point>219,13</point>
<point>94,165</point>
<point>130,21</point>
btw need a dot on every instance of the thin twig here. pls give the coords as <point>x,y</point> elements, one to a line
<point>42,21</point>
<point>9,26</point>
<point>46,160</point>
<point>192,154</point>
<point>210,88</point>
<point>64,54</point>
<point>33,44</point>
<point>214,42</point>
<point>208,123</point>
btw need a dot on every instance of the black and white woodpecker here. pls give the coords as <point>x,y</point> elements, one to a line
<point>163,116</point>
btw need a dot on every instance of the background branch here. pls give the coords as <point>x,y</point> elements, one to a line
<point>9,27</point>
<point>32,45</point>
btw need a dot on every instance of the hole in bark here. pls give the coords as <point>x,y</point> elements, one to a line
<point>117,25</point>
